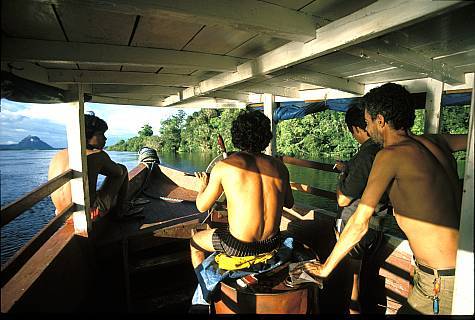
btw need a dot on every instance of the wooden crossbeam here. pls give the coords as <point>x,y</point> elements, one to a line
<point>27,50</point>
<point>132,89</point>
<point>313,190</point>
<point>323,80</point>
<point>398,56</point>
<point>372,21</point>
<point>277,91</point>
<point>31,72</point>
<point>309,164</point>
<point>231,95</point>
<point>127,101</point>
<point>248,15</point>
<point>119,77</point>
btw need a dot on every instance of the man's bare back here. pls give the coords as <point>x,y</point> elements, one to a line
<point>62,197</point>
<point>256,190</point>
<point>424,206</point>
<point>256,187</point>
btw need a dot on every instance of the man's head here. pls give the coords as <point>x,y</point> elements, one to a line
<point>356,124</point>
<point>251,131</point>
<point>388,107</point>
<point>95,129</point>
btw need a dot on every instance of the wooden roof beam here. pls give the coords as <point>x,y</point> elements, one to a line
<point>322,80</point>
<point>31,72</point>
<point>105,89</point>
<point>275,90</point>
<point>229,95</point>
<point>213,103</point>
<point>126,101</point>
<point>249,15</point>
<point>119,77</point>
<point>397,56</point>
<point>27,50</point>
<point>370,22</point>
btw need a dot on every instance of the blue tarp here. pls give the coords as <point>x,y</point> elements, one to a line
<point>299,109</point>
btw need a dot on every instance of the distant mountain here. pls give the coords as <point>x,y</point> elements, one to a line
<point>28,143</point>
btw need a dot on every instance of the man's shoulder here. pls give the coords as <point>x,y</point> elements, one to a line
<point>367,152</point>
<point>97,154</point>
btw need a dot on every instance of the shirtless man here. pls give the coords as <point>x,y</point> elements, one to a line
<point>114,187</point>
<point>424,207</point>
<point>256,187</point>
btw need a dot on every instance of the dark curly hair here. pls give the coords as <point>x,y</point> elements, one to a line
<point>354,117</point>
<point>251,131</point>
<point>393,102</point>
<point>93,124</point>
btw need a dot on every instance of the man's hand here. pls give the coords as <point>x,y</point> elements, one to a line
<point>315,269</point>
<point>340,166</point>
<point>203,177</point>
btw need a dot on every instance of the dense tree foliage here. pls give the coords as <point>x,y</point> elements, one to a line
<point>146,131</point>
<point>317,136</point>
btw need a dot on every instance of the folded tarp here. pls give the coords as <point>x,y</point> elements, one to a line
<point>18,89</point>
<point>299,109</point>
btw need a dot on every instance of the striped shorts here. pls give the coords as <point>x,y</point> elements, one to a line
<point>224,241</point>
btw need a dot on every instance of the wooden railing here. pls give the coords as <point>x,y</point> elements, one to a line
<point>18,207</point>
<point>313,165</point>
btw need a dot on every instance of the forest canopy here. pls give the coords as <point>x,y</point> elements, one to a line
<point>321,135</point>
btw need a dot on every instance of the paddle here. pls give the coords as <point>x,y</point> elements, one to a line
<point>221,198</point>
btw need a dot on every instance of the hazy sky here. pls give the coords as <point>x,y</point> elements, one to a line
<point>47,121</point>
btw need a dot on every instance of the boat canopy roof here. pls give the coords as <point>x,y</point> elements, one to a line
<point>225,53</point>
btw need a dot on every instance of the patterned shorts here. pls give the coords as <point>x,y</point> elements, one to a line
<point>224,241</point>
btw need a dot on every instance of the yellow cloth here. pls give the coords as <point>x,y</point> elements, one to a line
<point>226,262</point>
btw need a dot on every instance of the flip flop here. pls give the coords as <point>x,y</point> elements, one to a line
<point>133,212</point>
<point>140,201</point>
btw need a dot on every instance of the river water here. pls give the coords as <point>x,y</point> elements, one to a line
<point>22,171</point>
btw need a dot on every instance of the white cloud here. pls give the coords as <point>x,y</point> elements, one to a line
<point>48,121</point>
<point>127,120</point>
<point>54,112</point>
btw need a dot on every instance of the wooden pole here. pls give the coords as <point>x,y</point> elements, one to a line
<point>78,162</point>
<point>269,107</point>
<point>435,89</point>
<point>463,289</point>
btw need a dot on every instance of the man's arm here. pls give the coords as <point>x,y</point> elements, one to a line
<point>108,167</point>
<point>382,173</point>
<point>456,142</point>
<point>209,191</point>
<point>289,197</point>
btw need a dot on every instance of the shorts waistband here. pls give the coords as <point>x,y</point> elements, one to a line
<point>436,272</point>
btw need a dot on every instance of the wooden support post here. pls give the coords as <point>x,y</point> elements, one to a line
<point>433,106</point>
<point>269,107</point>
<point>78,162</point>
<point>463,290</point>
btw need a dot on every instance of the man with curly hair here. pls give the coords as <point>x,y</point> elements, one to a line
<point>256,187</point>
<point>422,189</point>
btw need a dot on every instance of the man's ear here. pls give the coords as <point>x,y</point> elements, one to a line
<point>380,120</point>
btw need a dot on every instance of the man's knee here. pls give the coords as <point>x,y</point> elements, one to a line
<point>195,246</point>
<point>202,240</point>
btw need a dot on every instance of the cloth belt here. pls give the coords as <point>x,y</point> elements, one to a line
<point>435,272</point>
<point>226,262</point>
